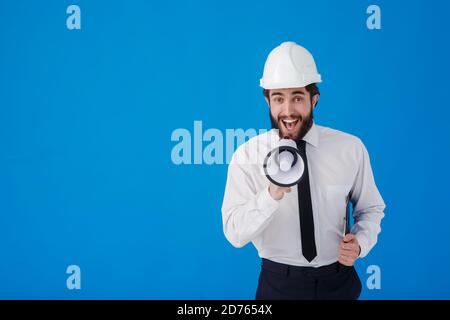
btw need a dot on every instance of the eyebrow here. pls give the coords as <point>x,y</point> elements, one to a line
<point>276,94</point>
<point>282,95</point>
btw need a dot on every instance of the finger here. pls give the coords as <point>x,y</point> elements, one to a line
<point>348,255</point>
<point>348,252</point>
<point>349,246</point>
<point>288,190</point>
<point>349,237</point>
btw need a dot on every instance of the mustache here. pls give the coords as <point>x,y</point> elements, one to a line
<point>306,123</point>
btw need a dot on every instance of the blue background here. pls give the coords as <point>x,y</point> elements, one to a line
<point>86,118</point>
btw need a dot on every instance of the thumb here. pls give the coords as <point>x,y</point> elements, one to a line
<point>349,237</point>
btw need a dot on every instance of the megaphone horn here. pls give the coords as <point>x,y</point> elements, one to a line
<point>284,165</point>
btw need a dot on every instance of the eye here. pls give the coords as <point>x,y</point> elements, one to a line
<point>278,100</point>
<point>298,99</point>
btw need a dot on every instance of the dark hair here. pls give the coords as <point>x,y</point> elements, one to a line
<point>311,88</point>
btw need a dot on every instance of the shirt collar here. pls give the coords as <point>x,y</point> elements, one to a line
<point>312,136</point>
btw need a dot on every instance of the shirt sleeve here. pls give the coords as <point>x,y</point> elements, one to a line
<point>245,211</point>
<point>368,205</point>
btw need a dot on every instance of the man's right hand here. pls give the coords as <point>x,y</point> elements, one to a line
<point>277,192</point>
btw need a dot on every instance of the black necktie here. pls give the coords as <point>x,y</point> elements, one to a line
<point>305,210</point>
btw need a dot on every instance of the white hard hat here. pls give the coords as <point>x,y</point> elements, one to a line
<point>289,66</point>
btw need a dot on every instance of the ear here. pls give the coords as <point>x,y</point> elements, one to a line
<point>315,100</point>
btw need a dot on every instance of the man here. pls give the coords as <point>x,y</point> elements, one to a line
<point>299,232</point>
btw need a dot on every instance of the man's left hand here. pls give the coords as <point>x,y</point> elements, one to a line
<point>349,250</point>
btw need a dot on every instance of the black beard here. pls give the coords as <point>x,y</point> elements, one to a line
<point>306,124</point>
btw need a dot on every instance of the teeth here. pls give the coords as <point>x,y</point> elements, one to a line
<point>290,123</point>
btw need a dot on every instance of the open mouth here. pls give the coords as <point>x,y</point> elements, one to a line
<point>290,124</point>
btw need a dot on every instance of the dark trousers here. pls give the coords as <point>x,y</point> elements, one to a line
<point>281,281</point>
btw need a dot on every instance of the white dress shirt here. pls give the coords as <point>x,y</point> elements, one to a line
<point>339,167</point>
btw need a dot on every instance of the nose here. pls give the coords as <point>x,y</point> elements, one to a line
<point>288,109</point>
